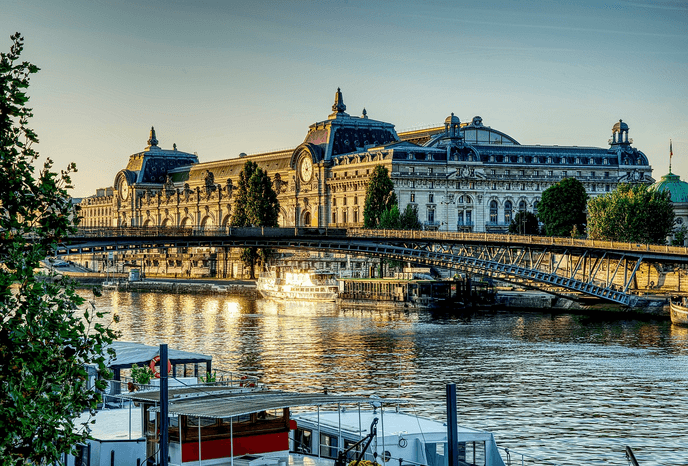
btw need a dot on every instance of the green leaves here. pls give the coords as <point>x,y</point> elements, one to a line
<point>562,207</point>
<point>380,196</point>
<point>46,341</point>
<point>525,223</point>
<point>631,213</point>
<point>256,201</point>
<point>256,204</point>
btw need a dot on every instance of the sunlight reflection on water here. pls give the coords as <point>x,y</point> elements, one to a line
<point>565,388</point>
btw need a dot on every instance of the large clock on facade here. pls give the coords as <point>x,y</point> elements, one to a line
<point>306,169</point>
<point>124,189</point>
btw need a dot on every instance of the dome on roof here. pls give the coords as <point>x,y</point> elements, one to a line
<point>452,119</point>
<point>673,184</point>
<point>619,126</point>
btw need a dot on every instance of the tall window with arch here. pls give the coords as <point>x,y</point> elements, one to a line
<point>493,212</point>
<point>508,208</point>
<point>522,206</point>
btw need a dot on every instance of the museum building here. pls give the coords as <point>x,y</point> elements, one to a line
<point>461,176</point>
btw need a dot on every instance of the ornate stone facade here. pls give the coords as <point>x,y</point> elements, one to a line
<point>461,176</point>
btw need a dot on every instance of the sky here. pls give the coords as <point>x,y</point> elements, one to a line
<point>224,77</point>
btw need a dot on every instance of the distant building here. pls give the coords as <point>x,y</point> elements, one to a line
<point>679,198</point>
<point>461,176</point>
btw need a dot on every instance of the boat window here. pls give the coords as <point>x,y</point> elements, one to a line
<point>205,422</point>
<point>470,454</point>
<point>303,441</point>
<point>328,446</point>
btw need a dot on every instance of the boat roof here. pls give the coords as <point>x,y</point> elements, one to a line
<point>228,405</point>
<point>191,391</point>
<point>395,422</point>
<point>129,353</point>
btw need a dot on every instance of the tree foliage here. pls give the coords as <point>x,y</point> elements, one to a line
<point>380,196</point>
<point>256,201</point>
<point>409,218</point>
<point>390,219</point>
<point>525,223</point>
<point>256,205</point>
<point>45,341</point>
<point>562,207</point>
<point>631,213</point>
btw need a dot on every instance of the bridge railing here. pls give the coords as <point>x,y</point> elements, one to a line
<point>156,232</point>
<point>517,239</point>
<point>102,232</point>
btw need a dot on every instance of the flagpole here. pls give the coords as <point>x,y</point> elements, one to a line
<point>671,154</point>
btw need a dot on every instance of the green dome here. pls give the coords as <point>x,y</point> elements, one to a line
<point>673,184</point>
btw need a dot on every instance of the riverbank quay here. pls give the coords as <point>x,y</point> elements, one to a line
<point>120,282</point>
<point>504,297</point>
<point>650,305</point>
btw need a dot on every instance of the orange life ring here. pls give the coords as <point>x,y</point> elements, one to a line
<point>156,372</point>
<point>242,380</point>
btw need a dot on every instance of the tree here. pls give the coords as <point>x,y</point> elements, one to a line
<point>45,341</point>
<point>390,219</point>
<point>379,197</point>
<point>562,207</point>
<point>256,205</point>
<point>525,223</point>
<point>409,218</point>
<point>631,213</point>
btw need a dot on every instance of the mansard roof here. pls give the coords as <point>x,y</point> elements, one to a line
<point>342,133</point>
<point>152,164</point>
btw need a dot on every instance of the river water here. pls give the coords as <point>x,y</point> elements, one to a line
<point>565,388</point>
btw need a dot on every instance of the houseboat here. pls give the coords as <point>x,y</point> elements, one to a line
<point>253,426</point>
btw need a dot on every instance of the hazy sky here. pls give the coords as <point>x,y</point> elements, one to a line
<point>224,77</point>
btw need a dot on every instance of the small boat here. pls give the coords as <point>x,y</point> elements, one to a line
<point>679,311</point>
<point>303,285</point>
<point>402,438</point>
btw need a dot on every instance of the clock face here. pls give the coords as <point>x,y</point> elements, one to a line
<point>124,189</point>
<point>306,169</point>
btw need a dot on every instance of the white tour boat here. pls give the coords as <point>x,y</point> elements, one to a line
<point>302,285</point>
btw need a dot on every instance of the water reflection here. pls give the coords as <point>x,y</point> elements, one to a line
<point>570,389</point>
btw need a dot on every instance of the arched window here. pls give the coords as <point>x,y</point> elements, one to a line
<point>307,219</point>
<point>493,212</point>
<point>535,207</point>
<point>508,207</point>
<point>522,206</point>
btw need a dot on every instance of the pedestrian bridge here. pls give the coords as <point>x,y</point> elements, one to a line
<point>603,269</point>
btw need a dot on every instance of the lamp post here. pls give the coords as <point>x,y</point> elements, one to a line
<point>448,199</point>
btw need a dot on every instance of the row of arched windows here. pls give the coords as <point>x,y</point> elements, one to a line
<point>508,211</point>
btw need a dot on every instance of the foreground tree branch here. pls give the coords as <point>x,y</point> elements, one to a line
<point>46,342</point>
